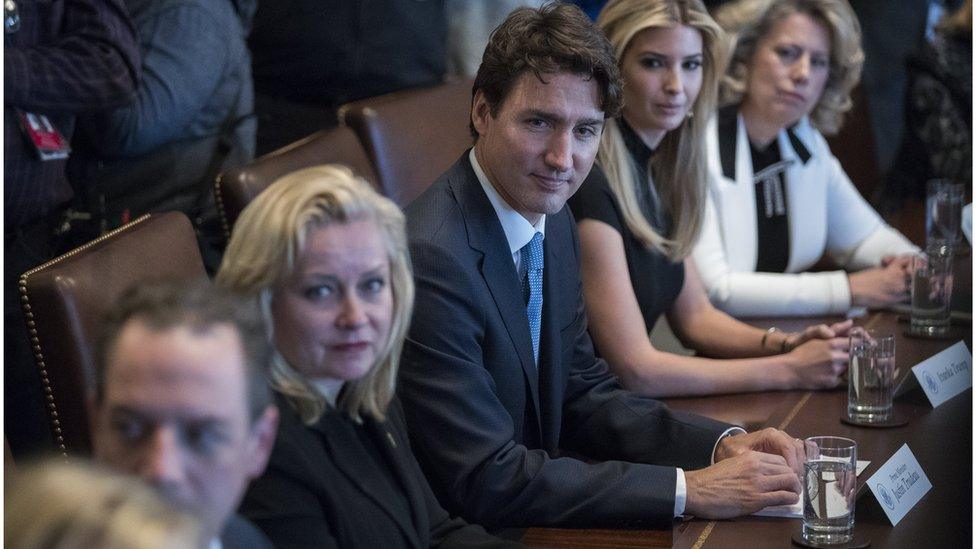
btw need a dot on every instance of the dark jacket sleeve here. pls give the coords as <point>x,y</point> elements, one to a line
<point>464,435</point>
<point>445,531</point>
<point>283,504</point>
<point>603,421</point>
<point>185,54</point>
<point>91,65</point>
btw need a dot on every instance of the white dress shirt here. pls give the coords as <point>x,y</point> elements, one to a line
<point>329,388</point>
<point>518,230</point>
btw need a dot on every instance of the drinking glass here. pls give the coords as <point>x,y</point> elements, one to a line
<point>870,376</point>
<point>931,290</point>
<point>943,211</point>
<point>829,481</point>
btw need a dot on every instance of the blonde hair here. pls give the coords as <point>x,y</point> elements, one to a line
<point>680,161</point>
<point>74,505</point>
<point>958,22</point>
<point>749,21</point>
<point>268,239</point>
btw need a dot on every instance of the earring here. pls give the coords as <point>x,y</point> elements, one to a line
<point>690,115</point>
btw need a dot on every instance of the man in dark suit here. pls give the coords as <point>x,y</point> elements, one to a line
<point>498,376</point>
<point>182,402</point>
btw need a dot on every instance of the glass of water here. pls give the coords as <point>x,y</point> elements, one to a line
<point>943,211</point>
<point>870,376</point>
<point>932,290</point>
<point>829,486</point>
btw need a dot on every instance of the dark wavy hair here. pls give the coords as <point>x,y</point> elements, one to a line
<point>554,38</point>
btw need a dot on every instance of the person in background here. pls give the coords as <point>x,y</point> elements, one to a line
<point>75,505</point>
<point>498,357</point>
<point>891,32</point>
<point>938,137</point>
<point>778,199</point>
<point>469,23</point>
<point>181,400</point>
<point>325,256</point>
<point>192,117</point>
<point>639,212</point>
<point>60,59</point>
<point>310,57</point>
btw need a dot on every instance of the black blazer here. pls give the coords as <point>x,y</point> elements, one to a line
<point>487,425</point>
<point>302,498</point>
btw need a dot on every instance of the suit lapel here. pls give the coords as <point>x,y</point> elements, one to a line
<point>394,449</point>
<point>359,472</point>
<point>738,212</point>
<point>485,234</point>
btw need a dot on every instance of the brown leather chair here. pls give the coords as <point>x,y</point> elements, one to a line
<point>412,136</point>
<point>65,298</point>
<point>236,188</point>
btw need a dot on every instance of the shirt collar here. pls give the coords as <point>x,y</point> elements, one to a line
<point>518,230</point>
<point>329,388</point>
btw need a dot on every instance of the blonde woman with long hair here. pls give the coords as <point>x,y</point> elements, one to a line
<point>640,211</point>
<point>325,256</point>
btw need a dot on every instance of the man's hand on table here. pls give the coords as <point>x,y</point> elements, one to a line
<point>751,471</point>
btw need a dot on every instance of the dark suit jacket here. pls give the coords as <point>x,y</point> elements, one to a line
<point>240,534</point>
<point>486,424</point>
<point>303,498</point>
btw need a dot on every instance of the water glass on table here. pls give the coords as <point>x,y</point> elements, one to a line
<point>943,211</point>
<point>932,290</point>
<point>830,483</point>
<point>870,376</point>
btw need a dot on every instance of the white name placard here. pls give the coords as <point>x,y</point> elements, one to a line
<point>899,484</point>
<point>946,374</point>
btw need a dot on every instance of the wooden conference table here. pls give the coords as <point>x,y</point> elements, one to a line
<point>940,438</point>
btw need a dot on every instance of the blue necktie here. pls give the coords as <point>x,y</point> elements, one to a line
<point>532,262</point>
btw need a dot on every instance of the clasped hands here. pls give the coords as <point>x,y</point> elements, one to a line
<point>884,285</point>
<point>751,471</point>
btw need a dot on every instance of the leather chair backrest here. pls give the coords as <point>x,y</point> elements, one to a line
<point>65,299</point>
<point>412,136</point>
<point>236,188</point>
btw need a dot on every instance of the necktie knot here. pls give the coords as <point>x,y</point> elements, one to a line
<point>532,256</point>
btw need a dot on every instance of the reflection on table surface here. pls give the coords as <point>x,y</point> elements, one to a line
<point>940,438</point>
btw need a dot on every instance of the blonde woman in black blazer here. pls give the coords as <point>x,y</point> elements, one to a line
<point>326,257</point>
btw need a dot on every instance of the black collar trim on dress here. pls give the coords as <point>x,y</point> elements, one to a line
<point>635,145</point>
<point>728,129</point>
<point>798,146</point>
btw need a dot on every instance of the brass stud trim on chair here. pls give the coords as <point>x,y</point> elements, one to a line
<point>219,203</point>
<point>25,300</point>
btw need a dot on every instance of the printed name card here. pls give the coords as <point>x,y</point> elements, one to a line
<point>899,484</point>
<point>946,374</point>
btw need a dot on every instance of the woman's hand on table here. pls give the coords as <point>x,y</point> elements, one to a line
<point>880,286</point>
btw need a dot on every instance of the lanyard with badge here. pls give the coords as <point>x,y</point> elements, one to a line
<point>46,139</point>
